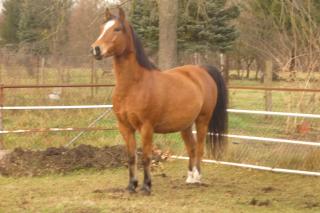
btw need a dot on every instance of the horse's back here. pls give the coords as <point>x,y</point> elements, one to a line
<point>188,81</point>
<point>199,77</point>
<point>206,84</point>
<point>194,73</point>
<point>182,94</point>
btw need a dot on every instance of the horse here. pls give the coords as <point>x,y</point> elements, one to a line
<point>148,101</point>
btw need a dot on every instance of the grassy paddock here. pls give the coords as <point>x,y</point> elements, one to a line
<point>227,190</point>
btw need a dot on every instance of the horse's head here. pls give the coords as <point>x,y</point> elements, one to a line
<point>113,40</point>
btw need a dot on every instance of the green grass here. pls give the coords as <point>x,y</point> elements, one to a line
<point>228,190</point>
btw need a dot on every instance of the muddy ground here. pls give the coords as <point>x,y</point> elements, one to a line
<point>63,160</point>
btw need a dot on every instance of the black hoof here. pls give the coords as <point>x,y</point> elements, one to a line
<point>132,186</point>
<point>146,190</point>
<point>131,190</point>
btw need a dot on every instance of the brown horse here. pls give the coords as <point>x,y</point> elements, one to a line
<point>149,101</point>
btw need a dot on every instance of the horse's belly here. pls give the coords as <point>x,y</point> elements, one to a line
<point>176,122</point>
<point>170,129</point>
<point>179,112</point>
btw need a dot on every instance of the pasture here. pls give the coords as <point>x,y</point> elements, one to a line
<point>226,189</point>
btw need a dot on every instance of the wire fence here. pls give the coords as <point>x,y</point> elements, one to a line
<point>272,139</point>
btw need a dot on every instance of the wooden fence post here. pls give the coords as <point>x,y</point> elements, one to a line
<point>268,83</point>
<point>92,76</point>
<point>1,116</point>
<point>41,70</point>
<point>224,66</point>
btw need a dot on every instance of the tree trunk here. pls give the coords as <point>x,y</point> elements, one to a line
<point>248,73</point>
<point>292,66</point>
<point>168,17</point>
<point>239,66</point>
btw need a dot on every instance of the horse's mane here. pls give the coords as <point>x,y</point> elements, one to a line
<point>141,56</point>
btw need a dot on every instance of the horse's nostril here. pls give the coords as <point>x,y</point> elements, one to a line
<point>97,51</point>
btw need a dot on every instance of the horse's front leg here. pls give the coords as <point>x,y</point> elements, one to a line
<point>128,135</point>
<point>146,137</point>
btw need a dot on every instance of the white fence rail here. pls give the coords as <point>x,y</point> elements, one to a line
<point>237,111</point>
<point>55,107</point>
<point>274,140</point>
<point>287,114</point>
<point>249,166</point>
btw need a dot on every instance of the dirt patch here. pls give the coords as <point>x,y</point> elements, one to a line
<point>3,153</point>
<point>312,204</point>
<point>62,160</point>
<point>256,202</point>
<point>268,189</point>
<point>82,210</point>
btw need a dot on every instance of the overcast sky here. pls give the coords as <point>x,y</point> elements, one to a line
<point>112,1</point>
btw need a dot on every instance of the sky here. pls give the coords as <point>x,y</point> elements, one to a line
<point>111,1</point>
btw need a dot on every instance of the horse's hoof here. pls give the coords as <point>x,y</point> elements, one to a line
<point>132,187</point>
<point>146,190</point>
<point>131,190</point>
<point>193,182</point>
<point>194,177</point>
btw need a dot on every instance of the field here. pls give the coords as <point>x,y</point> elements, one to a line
<point>225,190</point>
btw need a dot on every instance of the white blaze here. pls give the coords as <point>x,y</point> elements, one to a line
<point>106,27</point>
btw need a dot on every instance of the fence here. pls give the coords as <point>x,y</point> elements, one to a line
<point>231,111</point>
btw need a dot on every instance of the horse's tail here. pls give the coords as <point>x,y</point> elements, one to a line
<point>218,126</point>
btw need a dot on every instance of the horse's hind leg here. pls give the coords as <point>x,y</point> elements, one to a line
<point>129,136</point>
<point>202,128</point>
<point>190,144</point>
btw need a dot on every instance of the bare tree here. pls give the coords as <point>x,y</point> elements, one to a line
<point>83,26</point>
<point>289,36</point>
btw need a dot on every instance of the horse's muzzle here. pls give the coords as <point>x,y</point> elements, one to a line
<point>96,52</point>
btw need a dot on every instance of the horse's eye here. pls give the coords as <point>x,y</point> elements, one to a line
<point>118,29</point>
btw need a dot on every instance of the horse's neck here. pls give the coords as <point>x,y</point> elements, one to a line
<point>128,72</point>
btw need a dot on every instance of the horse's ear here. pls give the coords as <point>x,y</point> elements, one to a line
<point>108,15</point>
<point>122,15</point>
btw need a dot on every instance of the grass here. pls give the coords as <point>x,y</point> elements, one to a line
<point>227,190</point>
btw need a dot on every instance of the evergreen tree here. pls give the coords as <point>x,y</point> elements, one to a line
<point>145,20</point>
<point>205,26</point>
<point>10,24</point>
<point>41,24</point>
<point>316,10</point>
<point>202,25</point>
